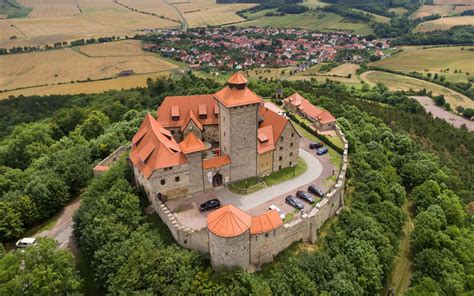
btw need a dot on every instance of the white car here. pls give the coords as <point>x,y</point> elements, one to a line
<point>280,212</point>
<point>26,242</point>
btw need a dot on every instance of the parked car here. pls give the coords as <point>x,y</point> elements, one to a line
<point>315,145</point>
<point>296,203</point>
<point>26,242</point>
<point>315,190</point>
<point>304,196</point>
<point>322,151</point>
<point>210,205</point>
<point>280,212</point>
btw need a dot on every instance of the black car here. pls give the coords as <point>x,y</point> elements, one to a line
<point>304,196</point>
<point>210,205</point>
<point>315,145</point>
<point>315,190</point>
<point>292,201</point>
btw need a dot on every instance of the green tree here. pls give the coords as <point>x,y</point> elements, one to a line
<point>39,270</point>
<point>11,225</point>
<point>94,125</point>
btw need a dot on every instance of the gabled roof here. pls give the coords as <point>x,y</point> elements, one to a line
<point>191,144</point>
<point>228,221</point>
<point>153,147</point>
<point>326,117</point>
<point>295,99</point>
<point>309,109</point>
<point>232,97</point>
<point>182,105</point>
<point>191,117</point>
<point>273,120</point>
<point>237,78</point>
<point>266,222</point>
<point>216,161</point>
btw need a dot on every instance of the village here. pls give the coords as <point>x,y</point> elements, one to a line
<point>246,48</point>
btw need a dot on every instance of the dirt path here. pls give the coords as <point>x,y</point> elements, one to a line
<point>439,112</point>
<point>399,278</point>
<point>62,229</point>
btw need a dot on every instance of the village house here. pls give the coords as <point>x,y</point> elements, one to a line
<point>199,142</point>
<point>322,119</point>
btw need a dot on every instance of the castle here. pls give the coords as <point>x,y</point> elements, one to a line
<point>199,142</point>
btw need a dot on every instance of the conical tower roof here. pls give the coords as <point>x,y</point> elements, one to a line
<point>191,144</point>
<point>228,221</point>
<point>237,78</point>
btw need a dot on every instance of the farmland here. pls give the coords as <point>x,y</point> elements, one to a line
<point>433,60</point>
<point>340,73</point>
<point>399,82</point>
<point>445,23</point>
<point>326,22</point>
<point>426,10</point>
<point>90,62</point>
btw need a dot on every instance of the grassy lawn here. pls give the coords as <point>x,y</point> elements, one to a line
<point>253,184</point>
<point>401,273</point>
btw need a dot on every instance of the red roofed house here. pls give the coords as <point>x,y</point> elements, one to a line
<point>199,142</point>
<point>322,119</point>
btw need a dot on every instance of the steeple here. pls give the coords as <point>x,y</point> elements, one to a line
<point>237,81</point>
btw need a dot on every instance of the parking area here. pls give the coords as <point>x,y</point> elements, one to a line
<point>319,171</point>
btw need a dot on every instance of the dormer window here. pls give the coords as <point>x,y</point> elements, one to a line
<point>202,110</point>
<point>175,113</point>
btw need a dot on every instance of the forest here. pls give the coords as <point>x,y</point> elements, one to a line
<point>398,155</point>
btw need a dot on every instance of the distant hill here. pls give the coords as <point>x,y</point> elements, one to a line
<point>13,9</point>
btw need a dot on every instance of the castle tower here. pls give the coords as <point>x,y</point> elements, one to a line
<point>238,124</point>
<point>192,147</point>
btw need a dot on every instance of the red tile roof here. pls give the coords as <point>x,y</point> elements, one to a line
<point>266,141</point>
<point>228,221</point>
<point>326,117</point>
<point>182,105</point>
<point>191,117</point>
<point>276,121</point>
<point>309,109</point>
<point>266,222</point>
<point>153,147</point>
<point>237,78</point>
<point>216,161</point>
<point>232,97</point>
<point>191,144</point>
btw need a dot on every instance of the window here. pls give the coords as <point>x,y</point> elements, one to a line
<point>176,179</point>
<point>279,167</point>
<point>281,138</point>
<point>281,147</point>
<point>291,163</point>
<point>291,153</point>
<point>280,158</point>
<point>203,116</point>
<point>291,144</point>
<point>292,134</point>
<point>175,118</point>
<point>163,181</point>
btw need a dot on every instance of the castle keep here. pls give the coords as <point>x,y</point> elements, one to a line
<point>199,142</point>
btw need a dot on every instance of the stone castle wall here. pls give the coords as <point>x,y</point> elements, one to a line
<point>286,151</point>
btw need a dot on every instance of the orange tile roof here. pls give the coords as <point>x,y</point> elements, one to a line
<point>182,105</point>
<point>191,117</point>
<point>228,221</point>
<point>274,120</point>
<point>101,168</point>
<point>237,78</point>
<point>266,222</point>
<point>153,147</point>
<point>216,161</point>
<point>326,117</point>
<point>191,144</point>
<point>309,109</point>
<point>266,141</point>
<point>232,97</point>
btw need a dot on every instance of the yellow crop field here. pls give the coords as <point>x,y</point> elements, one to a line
<point>114,49</point>
<point>50,8</point>
<point>399,82</point>
<point>158,7</point>
<point>445,23</point>
<point>344,70</point>
<point>453,2</point>
<point>339,73</point>
<point>87,87</point>
<point>460,9</point>
<point>426,10</point>
<point>207,12</point>
<point>66,65</point>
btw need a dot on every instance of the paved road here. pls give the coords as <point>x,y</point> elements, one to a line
<point>439,112</point>
<point>62,229</point>
<point>252,200</point>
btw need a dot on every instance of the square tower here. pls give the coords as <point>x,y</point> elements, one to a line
<point>238,126</point>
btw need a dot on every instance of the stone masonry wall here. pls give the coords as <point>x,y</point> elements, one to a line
<point>287,148</point>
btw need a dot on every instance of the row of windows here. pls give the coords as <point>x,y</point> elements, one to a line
<point>163,181</point>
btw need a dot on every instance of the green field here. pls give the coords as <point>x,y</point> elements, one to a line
<point>433,60</point>
<point>326,22</point>
<point>400,82</point>
<point>13,9</point>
